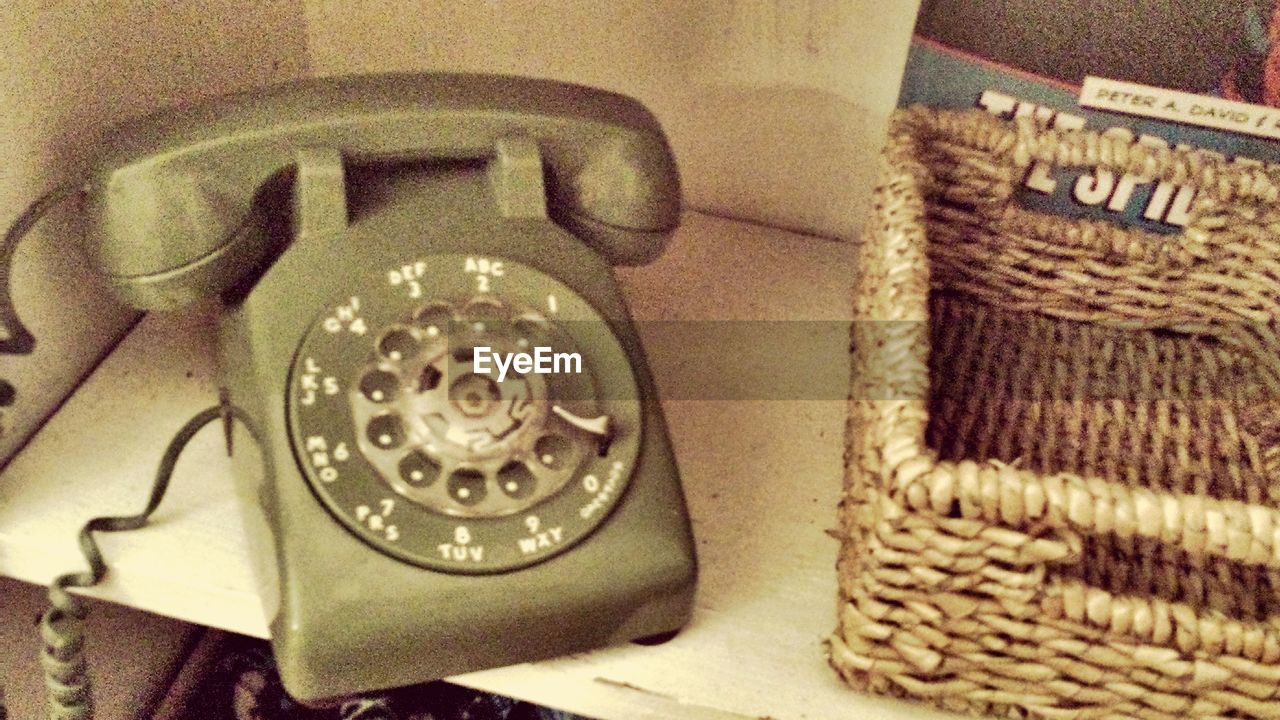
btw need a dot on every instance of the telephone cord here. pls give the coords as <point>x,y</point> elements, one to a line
<point>70,691</point>
<point>19,340</point>
<point>366,709</point>
<point>62,625</point>
<point>67,681</point>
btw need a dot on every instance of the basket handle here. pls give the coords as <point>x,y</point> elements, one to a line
<point>1023,142</point>
<point>997,492</point>
<point>1222,185</point>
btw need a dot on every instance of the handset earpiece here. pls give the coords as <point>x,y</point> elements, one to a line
<point>172,200</point>
<point>621,195</point>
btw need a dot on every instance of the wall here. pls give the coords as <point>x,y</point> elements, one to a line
<point>775,109</point>
<point>70,70</point>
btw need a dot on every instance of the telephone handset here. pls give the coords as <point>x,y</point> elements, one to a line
<point>466,463</point>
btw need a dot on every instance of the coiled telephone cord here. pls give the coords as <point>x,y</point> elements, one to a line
<point>62,625</point>
<point>19,340</point>
<point>67,681</point>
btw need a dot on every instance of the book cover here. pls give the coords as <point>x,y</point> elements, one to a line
<point>1200,73</point>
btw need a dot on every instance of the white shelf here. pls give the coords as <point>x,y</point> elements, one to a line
<point>762,477</point>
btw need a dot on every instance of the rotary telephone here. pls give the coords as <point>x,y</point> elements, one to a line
<point>466,465</point>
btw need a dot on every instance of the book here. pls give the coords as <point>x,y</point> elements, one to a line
<point>1197,73</point>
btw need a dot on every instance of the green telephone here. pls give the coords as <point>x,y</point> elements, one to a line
<point>466,462</point>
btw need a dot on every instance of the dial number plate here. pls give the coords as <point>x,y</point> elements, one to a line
<point>420,428</point>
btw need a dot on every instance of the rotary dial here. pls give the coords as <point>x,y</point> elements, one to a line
<point>464,414</point>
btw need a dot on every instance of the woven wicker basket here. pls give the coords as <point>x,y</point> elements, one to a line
<point>1063,460</point>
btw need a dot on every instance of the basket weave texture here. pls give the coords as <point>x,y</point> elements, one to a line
<point>1063,463</point>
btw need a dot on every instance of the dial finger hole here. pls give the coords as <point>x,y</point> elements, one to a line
<point>385,431</point>
<point>531,332</point>
<point>379,385</point>
<point>429,378</point>
<point>466,487</point>
<point>435,319</point>
<point>484,315</point>
<point>418,470</point>
<point>516,481</point>
<point>553,451</point>
<point>398,344</point>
